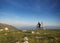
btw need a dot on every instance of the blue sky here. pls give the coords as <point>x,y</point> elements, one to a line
<point>29,12</point>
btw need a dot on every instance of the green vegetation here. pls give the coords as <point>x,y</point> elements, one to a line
<point>45,36</point>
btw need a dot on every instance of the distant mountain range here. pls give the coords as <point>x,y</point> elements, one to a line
<point>2,26</point>
<point>34,27</point>
<point>52,27</point>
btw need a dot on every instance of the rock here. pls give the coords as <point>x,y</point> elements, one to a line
<point>6,28</point>
<point>1,29</point>
<point>32,32</point>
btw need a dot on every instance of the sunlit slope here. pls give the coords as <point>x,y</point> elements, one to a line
<point>3,26</point>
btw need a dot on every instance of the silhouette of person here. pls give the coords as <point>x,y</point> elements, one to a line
<point>39,25</point>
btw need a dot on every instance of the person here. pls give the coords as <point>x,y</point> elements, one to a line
<point>39,25</point>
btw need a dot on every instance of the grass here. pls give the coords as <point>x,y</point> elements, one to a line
<point>45,36</point>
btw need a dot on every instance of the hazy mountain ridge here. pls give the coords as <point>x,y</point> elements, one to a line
<point>34,27</point>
